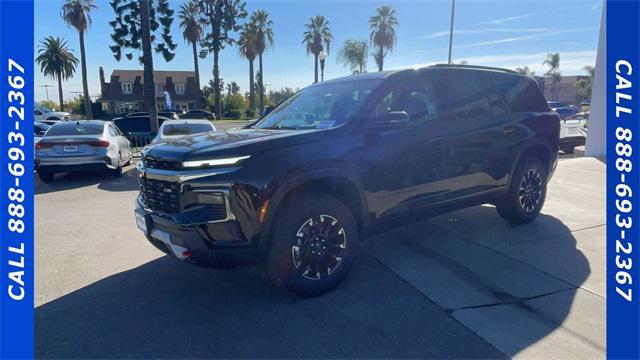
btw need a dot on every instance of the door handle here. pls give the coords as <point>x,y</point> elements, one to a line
<point>508,130</point>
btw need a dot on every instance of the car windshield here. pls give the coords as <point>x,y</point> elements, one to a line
<point>43,109</point>
<point>319,107</point>
<point>185,129</point>
<point>75,128</point>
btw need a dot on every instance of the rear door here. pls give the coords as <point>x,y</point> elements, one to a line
<point>481,132</point>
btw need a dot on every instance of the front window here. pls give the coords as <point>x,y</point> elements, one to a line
<point>159,89</point>
<point>127,88</point>
<point>180,89</point>
<point>320,107</point>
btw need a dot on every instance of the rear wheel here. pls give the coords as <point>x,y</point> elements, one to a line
<point>117,172</point>
<point>526,194</point>
<point>313,246</point>
<point>46,176</point>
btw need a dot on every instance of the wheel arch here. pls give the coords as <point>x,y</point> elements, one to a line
<point>337,183</point>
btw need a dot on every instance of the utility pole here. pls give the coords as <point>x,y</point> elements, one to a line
<point>46,89</point>
<point>453,11</point>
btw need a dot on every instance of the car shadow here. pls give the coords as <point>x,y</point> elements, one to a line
<point>168,309</point>
<point>74,180</point>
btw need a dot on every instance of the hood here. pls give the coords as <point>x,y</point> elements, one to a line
<point>229,143</point>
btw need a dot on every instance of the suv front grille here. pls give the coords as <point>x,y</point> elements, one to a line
<point>162,196</point>
<point>153,163</point>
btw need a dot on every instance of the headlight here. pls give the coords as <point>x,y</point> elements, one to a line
<point>214,162</point>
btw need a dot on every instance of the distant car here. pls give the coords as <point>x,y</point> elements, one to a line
<point>165,114</point>
<point>585,105</point>
<point>50,122</point>
<point>573,131</point>
<point>43,113</point>
<point>81,146</point>
<point>198,114</point>
<point>565,112</point>
<point>557,104</point>
<point>138,129</point>
<point>39,129</point>
<point>177,128</point>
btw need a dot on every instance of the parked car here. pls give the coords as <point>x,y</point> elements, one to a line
<point>573,132</point>
<point>296,190</point>
<point>165,114</point>
<point>557,104</point>
<point>171,129</point>
<point>39,129</point>
<point>81,146</point>
<point>198,114</point>
<point>50,122</point>
<point>565,112</point>
<point>137,129</point>
<point>43,113</point>
<point>585,105</point>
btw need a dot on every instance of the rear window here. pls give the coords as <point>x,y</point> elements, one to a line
<point>134,124</point>
<point>75,128</point>
<point>521,93</point>
<point>185,129</point>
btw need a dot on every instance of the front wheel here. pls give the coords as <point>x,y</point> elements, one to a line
<point>314,244</point>
<point>526,194</point>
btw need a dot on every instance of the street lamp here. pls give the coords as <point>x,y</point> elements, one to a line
<point>453,11</point>
<point>323,57</point>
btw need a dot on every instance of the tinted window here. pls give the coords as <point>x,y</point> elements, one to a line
<point>40,129</point>
<point>75,128</point>
<point>469,96</point>
<point>416,97</point>
<point>185,129</point>
<point>133,124</point>
<point>521,93</point>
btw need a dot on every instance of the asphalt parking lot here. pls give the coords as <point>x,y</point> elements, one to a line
<point>461,285</point>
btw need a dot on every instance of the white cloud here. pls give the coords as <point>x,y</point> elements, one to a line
<point>517,38</point>
<point>507,19</point>
<point>482,31</point>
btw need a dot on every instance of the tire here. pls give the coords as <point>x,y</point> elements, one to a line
<point>46,176</point>
<point>292,238</point>
<point>117,172</point>
<point>526,194</point>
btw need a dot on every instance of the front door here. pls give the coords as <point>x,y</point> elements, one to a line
<point>405,162</point>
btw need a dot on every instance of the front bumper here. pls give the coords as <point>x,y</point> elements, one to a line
<point>220,243</point>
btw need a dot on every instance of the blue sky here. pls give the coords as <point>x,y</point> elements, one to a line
<point>492,33</point>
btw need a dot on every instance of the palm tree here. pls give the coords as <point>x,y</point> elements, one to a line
<point>192,32</point>
<point>585,86</point>
<point>247,44</point>
<point>264,34</point>
<point>76,13</point>
<point>354,54</point>
<point>383,32</point>
<point>56,61</point>
<point>317,39</point>
<point>524,70</point>
<point>233,88</point>
<point>553,61</point>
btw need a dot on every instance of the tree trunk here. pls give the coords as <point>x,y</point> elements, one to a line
<point>216,85</point>
<point>381,55</point>
<point>261,85</point>
<point>149,89</point>
<point>85,88</point>
<point>60,97</point>
<point>252,90</point>
<point>197,70</point>
<point>315,72</point>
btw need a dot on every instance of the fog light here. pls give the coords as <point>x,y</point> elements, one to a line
<point>210,198</point>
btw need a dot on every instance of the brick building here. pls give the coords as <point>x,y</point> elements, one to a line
<point>124,91</point>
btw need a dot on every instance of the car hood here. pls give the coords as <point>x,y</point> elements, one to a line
<point>238,142</point>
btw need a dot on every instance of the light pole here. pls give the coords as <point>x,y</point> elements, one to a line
<point>323,57</point>
<point>46,89</point>
<point>453,11</point>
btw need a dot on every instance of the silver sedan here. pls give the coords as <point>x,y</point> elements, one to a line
<point>81,146</point>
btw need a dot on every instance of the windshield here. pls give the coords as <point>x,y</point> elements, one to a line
<point>75,128</point>
<point>320,106</point>
<point>185,129</point>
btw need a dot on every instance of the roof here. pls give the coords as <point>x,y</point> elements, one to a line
<point>177,76</point>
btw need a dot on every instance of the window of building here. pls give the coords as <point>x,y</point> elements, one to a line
<point>159,89</point>
<point>179,89</point>
<point>127,87</point>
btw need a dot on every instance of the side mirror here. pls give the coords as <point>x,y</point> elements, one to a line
<point>392,119</point>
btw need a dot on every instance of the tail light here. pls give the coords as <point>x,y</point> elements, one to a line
<point>100,143</point>
<point>41,145</point>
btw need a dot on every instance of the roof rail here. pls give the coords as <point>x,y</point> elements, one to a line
<point>474,67</point>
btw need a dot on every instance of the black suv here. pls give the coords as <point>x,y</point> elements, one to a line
<point>297,189</point>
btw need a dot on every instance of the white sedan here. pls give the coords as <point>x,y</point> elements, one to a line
<point>176,128</point>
